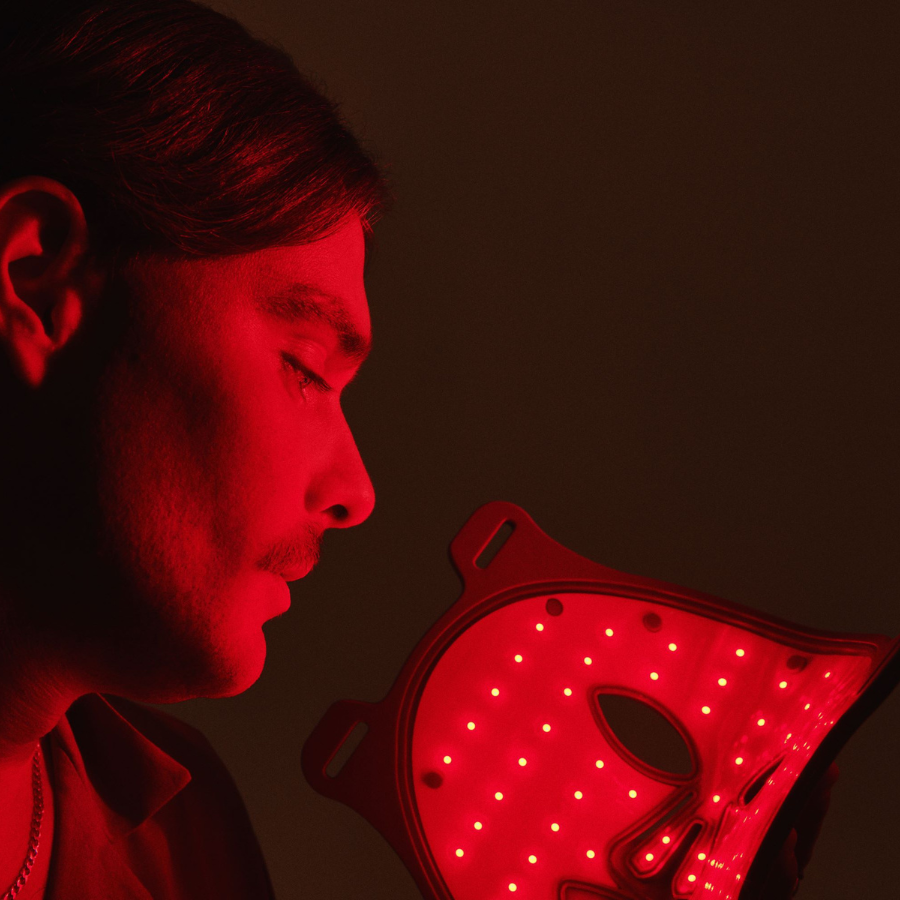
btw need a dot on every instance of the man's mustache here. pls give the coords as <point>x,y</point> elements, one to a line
<point>301,550</point>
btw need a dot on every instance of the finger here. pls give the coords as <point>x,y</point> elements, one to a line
<point>809,822</point>
<point>782,877</point>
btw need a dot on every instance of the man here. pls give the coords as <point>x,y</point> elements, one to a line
<point>182,235</point>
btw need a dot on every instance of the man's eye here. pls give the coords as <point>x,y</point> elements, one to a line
<point>305,377</point>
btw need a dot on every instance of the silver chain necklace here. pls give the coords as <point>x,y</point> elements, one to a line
<point>36,815</point>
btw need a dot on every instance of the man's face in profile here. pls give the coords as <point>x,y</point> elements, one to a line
<point>225,454</point>
<point>220,455</point>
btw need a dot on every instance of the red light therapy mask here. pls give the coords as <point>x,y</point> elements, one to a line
<point>493,766</point>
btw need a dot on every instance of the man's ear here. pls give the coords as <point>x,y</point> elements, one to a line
<point>43,292</point>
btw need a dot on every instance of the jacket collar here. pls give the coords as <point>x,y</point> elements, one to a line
<point>119,773</point>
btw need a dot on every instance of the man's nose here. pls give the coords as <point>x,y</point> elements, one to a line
<point>343,494</point>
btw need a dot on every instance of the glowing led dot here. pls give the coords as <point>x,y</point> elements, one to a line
<point>649,857</point>
<point>447,760</point>
<point>828,674</point>
<point>760,722</point>
<point>667,840</point>
<point>522,761</point>
<point>716,798</point>
<point>632,794</point>
<point>545,727</point>
<point>518,657</point>
<point>478,826</point>
<point>498,796</point>
<point>705,710</point>
<point>692,878</point>
<point>739,761</point>
<point>701,856</point>
<point>599,764</point>
<point>495,692</point>
<point>587,660</point>
<point>459,853</point>
<point>554,827</point>
<point>673,646</point>
<point>807,706</point>
<point>722,682</point>
<point>578,795</point>
<point>782,684</point>
<point>539,627</point>
<point>512,886</point>
<point>532,858</point>
<point>568,692</point>
<point>590,854</point>
<point>609,632</point>
<point>739,652</point>
<point>471,726</point>
<point>654,676</point>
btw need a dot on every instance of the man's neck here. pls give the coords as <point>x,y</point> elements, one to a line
<point>32,701</point>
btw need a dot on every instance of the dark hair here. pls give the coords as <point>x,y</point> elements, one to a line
<point>178,131</point>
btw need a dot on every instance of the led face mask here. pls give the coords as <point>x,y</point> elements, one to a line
<point>492,766</point>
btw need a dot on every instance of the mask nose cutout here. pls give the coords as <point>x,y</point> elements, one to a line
<point>644,735</point>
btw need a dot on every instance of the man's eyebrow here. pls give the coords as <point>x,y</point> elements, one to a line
<point>308,303</point>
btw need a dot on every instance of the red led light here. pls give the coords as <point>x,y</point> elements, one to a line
<point>636,816</point>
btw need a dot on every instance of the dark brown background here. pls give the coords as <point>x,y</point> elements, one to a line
<point>642,281</point>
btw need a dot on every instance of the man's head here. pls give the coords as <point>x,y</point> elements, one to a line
<point>182,225</point>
